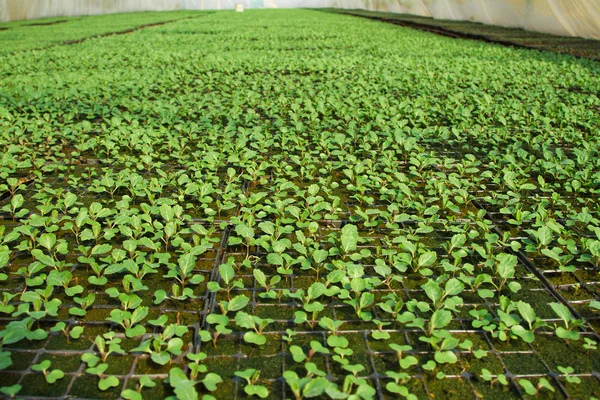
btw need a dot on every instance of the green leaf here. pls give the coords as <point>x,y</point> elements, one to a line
<point>237,303</point>
<point>544,235</point>
<point>17,201</point>
<point>427,259</point>
<point>101,249</point>
<point>244,320</point>
<point>349,238</point>
<point>514,286</point>
<point>5,360</point>
<point>69,200</point>
<point>90,359</point>
<point>566,334</point>
<point>454,287</point>
<point>137,330</point>
<point>543,383</point>
<point>217,319</point>
<point>319,256</point>
<point>529,388</point>
<point>260,277</point>
<point>76,332</point>
<point>211,380</point>
<point>527,336</point>
<point>315,387</point>
<point>42,366</point>
<point>316,290</point>
<point>526,312</point>
<point>13,334</point>
<point>43,258</point>
<point>130,394</point>
<point>378,335</point>
<point>183,387</point>
<point>393,387</point>
<point>255,338</point>
<point>267,227</point>
<point>440,319</point>
<point>227,272</point>
<point>480,353</point>
<point>297,353</point>
<point>11,390</point>
<point>275,259</point>
<point>187,263</point>
<point>161,296</point>
<point>562,311</point>
<point>408,362</point>
<point>506,265</point>
<point>161,358</point>
<point>429,365</point>
<point>98,281</point>
<point>139,314</point>
<point>108,382</point>
<point>72,291</point>
<point>337,341</point>
<point>54,375</point>
<point>257,390</point>
<point>445,357</point>
<point>147,381</point>
<point>47,240</point>
<point>485,293</point>
<point>244,231</point>
<point>160,321</point>
<point>432,290</point>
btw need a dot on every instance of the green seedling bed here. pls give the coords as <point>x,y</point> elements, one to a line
<point>294,204</point>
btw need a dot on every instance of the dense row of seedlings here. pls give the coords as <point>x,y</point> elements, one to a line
<point>26,35</point>
<point>318,231</point>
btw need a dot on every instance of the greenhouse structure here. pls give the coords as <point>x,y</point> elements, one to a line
<point>300,199</point>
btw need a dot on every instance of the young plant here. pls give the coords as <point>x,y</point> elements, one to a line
<point>50,375</point>
<point>251,376</point>
<point>258,324</point>
<point>130,320</point>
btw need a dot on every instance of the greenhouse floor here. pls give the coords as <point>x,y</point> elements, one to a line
<point>294,204</point>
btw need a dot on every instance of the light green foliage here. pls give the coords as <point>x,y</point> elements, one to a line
<point>242,192</point>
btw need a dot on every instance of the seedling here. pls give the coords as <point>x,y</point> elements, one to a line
<point>50,375</point>
<point>251,376</point>
<point>571,325</point>
<point>248,321</point>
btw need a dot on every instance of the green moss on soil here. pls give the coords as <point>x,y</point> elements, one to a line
<point>223,366</point>
<point>162,389</point>
<point>21,360</point>
<point>226,344</point>
<point>523,364</point>
<point>119,365</point>
<point>495,391</point>
<point>588,388</point>
<point>274,312</point>
<point>86,386</point>
<point>66,363</point>
<point>270,367</point>
<point>450,388</point>
<point>272,346</point>
<point>35,385</point>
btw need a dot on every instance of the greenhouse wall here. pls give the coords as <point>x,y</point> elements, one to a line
<point>561,17</point>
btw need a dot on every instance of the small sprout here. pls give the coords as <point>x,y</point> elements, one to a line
<point>568,374</point>
<point>11,391</point>
<point>51,376</point>
<point>486,375</point>
<point>248,321</point>
<point>251,377</point>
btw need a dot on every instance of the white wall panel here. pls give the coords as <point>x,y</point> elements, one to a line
<point>561,17</point>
